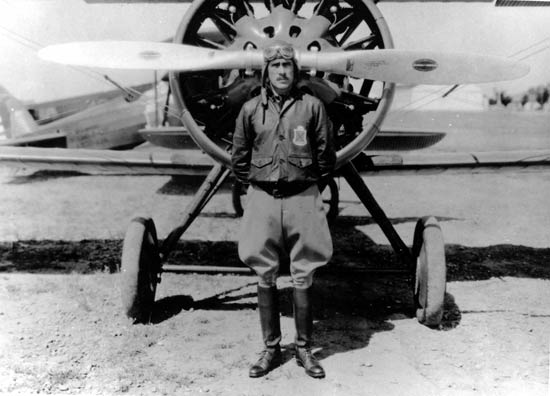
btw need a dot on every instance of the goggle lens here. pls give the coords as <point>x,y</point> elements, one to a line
<point>276,52</point>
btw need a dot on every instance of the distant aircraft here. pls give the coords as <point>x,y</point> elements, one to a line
<point>345,52</point>
<point>111,121</point>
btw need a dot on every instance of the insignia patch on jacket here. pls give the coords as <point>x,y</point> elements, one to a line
<point>300,136</point>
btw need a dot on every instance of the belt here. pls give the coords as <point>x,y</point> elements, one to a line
<point>282,189</point>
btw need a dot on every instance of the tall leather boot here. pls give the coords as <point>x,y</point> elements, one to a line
<point>303,318</point>
<point>268,305</point>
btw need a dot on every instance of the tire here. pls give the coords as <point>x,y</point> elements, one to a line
<point>140,269</point>
<point>430,272</point>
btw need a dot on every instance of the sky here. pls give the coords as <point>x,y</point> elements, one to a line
<point>28,25</point>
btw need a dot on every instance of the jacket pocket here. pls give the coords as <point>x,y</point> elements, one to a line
<point>261,162</point>
<point>300,162</point>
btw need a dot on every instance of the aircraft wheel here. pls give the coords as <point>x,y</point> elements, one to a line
<point>140,267</point>
<point>430,272</point>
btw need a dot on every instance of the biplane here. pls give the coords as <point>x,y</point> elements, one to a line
<point>106,120</point>
<point>347,59</point>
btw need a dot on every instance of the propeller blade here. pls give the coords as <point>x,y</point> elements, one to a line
<point>411,67</point>
<point>143,55</point>
<point>415,67</point>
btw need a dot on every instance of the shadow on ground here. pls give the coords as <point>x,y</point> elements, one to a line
<point>357,307</point>
<point>353,252</point>
<point>43,175</point>
<point>347,298</point>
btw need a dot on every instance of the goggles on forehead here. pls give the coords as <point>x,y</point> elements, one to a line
<point>278,52</point>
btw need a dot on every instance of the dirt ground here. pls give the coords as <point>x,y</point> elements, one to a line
<point>63,331</point>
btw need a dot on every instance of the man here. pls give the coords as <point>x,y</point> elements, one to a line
<point>283,147</point>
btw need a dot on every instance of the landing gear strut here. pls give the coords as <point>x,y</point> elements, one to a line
<point>142,256</point>
<point>425,263</point>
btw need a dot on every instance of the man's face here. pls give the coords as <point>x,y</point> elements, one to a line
<point>281,74</point>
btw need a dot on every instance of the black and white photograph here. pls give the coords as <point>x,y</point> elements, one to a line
<point>275,197</point>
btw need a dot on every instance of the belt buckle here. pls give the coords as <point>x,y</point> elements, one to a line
<point>278,190</point>
<point>277,193</point>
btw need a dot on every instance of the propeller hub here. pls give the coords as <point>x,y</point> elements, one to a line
<point>282,25</point>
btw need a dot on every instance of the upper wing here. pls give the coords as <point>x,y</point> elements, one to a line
<point>257,1</point>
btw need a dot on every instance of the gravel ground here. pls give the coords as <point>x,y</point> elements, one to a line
<point>63,331</point>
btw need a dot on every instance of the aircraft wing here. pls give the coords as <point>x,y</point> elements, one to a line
<point>133,162</point>
<point>424,162</point>
<point>309,1</point>
<point>51,110</point>
<point>194,162</point>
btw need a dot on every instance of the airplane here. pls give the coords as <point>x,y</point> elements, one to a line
<point>107,120</point>
<point>346,56</point>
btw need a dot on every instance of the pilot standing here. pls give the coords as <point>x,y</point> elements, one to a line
<point>283,146</point>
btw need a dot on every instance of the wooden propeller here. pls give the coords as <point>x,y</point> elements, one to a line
<point>392,65</point>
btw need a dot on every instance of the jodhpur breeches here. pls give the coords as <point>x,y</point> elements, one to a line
<point>273,229</point>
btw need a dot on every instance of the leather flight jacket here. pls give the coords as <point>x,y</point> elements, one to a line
<point>283,145</point>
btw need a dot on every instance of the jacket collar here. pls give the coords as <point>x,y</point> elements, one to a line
<point>268,94</point>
